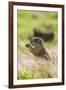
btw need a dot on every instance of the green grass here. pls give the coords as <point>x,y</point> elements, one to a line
<point>44,70</point>
<point>37,73</point>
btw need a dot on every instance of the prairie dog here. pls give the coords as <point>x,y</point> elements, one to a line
<point>37,48</point>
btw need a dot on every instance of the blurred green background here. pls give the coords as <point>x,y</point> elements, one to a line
<point>28,20</point>
<point>46,21</point>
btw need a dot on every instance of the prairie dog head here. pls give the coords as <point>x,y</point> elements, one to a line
<point>37,42</point>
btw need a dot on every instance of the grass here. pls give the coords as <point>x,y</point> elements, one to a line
<point>43,69</point>
<point>37,73</point>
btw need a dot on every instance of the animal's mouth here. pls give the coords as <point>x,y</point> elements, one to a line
<point>28,45</point>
